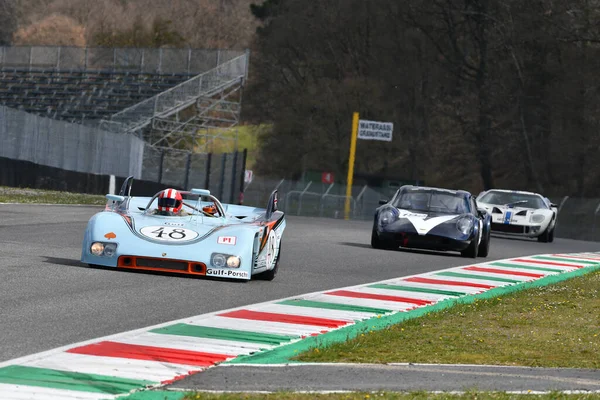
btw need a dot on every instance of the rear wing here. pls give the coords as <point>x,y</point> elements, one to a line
<point>271,205</point>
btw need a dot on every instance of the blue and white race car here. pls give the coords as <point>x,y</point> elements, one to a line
<point>432,218</point>
<point>519,213</point>
<point>185,232</point>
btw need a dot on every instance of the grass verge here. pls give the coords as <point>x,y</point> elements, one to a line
<point>38,196</point>
<point>552,326</point>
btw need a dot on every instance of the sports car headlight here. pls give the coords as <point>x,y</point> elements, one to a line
<point>100,249</point>
<point>233,262</point>
<point>464,225</point>
<point>537,218</point>
<point>386,217</point>
<point>110,249</point>
<point>218,260</point>
<point>97,248</point>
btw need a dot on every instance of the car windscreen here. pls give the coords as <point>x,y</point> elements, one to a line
<point>523,200</point>
<point>432,201</point>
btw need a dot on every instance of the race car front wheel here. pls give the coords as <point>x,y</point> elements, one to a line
<point>547,236</point>
<point>270,274</point>
<point>378,243</point>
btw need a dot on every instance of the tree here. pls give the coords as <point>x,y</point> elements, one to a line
<point>8,21</point>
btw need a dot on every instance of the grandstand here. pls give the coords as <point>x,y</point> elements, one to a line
<point>80,96</point>
<point>121,90</point>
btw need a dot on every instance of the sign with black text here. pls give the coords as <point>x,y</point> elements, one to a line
<point>374,130</point>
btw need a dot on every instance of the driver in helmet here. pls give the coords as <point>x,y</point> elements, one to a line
<point>170,203</point>
<point>210,209</point>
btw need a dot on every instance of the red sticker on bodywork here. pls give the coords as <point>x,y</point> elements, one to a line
<point>226,240</point>
<point>110,235</point>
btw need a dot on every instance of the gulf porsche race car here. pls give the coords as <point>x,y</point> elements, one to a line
<point>185,232</point>
<point>519,213</point>
<point>432,218</point>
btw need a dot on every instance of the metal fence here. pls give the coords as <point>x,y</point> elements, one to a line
<point>221,173</point>
<point>148,60</point>
<point>578,218</point>
<point>68,146</point>
<point>314,199</point>
<point>179,97</point>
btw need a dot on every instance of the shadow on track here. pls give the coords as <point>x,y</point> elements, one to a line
<point>70,262</point>
<point>404,250</point>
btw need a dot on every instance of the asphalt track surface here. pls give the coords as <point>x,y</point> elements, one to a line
<point>49,299</point>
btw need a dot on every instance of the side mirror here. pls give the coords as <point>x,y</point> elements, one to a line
<point>553,205</point>
<point>383,201</point>
<point>482,212</point>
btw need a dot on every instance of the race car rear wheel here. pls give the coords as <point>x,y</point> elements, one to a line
<point>378,243</point>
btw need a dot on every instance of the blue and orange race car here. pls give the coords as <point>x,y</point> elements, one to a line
<point>185,232</point>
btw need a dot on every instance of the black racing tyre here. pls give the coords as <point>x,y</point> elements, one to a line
<point>472,250</point>
<point>484,246</point>
<point>378,243</point>
<point>547,236</point>
<point>270,274</point>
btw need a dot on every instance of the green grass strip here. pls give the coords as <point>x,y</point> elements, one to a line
<point>572,260</point>
<point>417,289</point>
<point>157,395</point>
<point>480,277</point>
<point>333,306</point>
<point>284,354</point>
<point>222,333</point>
<point>507,265</point>
<point>55,379</point>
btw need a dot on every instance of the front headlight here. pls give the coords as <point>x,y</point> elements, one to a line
<point>220,260</point>
<point>464,225</point>
<point>538,218</point>
<point>97,248</point>
<point>100,249</point>
<point>386,217</point>
<point>233,262</point>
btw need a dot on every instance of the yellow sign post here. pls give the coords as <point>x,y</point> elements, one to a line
<point>351,165</point>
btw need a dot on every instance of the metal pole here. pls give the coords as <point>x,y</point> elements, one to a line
<point>233,173</point>
<point>351,165</point>
<point>30,57</point>
<point>160,56</point>
<point>142,60</point>
<point>58,58</point>
<point>222,183</point>
<point>188,165</point>
<point>207,171</point>
<point>189,60</point>
<point>85,59</point>
<point>160,167</point>
<point>243,175</point>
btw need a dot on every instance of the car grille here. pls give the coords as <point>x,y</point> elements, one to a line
<point>160,264</point>
<point>506,228</point>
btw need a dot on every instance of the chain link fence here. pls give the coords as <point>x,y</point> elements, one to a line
<point>146,60</point>
<point>68,146</point>
<point>314,199</point>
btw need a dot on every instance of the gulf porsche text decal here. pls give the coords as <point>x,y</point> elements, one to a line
<point>226,240</point>
<point>226,273</point>
<point>169,234</point>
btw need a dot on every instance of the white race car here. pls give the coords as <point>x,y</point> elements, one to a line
<point>520,213</point>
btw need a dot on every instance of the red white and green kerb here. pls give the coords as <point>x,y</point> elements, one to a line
<point>117,365</point>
